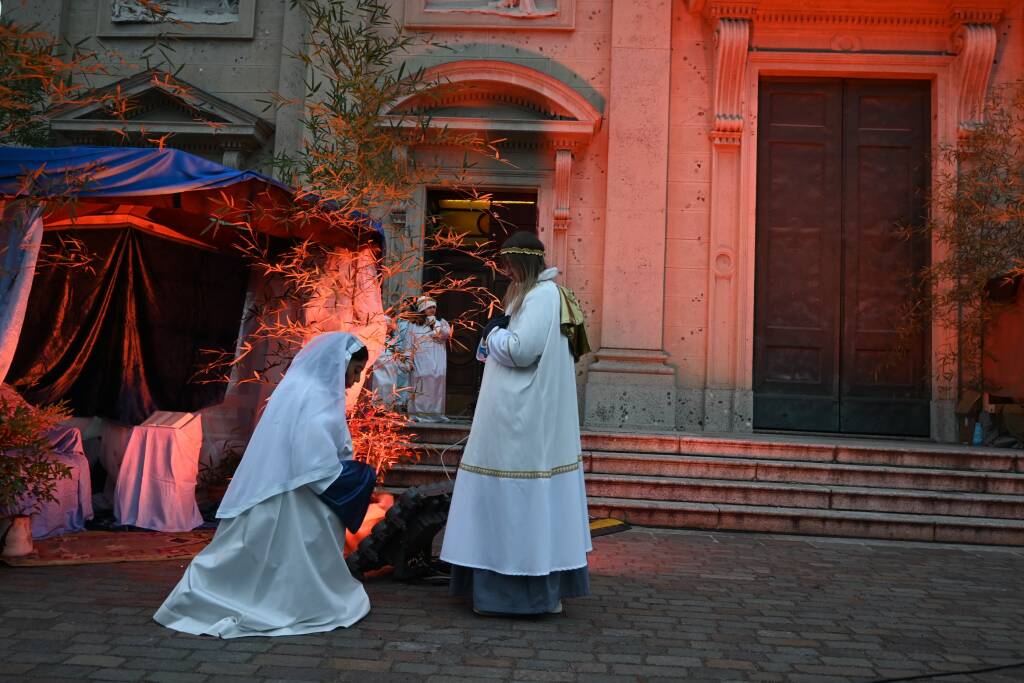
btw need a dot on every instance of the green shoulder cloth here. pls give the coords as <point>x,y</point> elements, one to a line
<point>574,324</point>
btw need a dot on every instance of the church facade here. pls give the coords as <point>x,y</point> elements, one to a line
<point>722,182</point>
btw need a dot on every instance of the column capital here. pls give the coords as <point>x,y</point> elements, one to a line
<point>732,40</point>
<point>975,48</point>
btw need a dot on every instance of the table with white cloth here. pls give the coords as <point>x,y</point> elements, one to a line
<point>72,504</point>
<point>156,484</point>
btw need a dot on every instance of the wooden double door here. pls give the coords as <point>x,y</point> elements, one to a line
<point>842,172</point>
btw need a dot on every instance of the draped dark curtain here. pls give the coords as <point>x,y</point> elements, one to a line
<point>125,339</point>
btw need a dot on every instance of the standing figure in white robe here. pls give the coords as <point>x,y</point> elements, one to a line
<point>518,530</point>
<point>276,565</point>
<point>428,346</point>
<point>391,371</point>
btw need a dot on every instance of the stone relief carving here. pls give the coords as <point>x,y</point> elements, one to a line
<point>523,9</point>
<point>187,11</point>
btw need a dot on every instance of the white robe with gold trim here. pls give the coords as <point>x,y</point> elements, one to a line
<point>520,506</point>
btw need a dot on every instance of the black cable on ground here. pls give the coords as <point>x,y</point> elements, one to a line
<point>968,672</point>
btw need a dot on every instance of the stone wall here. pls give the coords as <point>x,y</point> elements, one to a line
<point>670,229</point>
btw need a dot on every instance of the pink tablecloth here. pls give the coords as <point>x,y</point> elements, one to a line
<point>156,485</point>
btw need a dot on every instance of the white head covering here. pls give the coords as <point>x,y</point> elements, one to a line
<point>423,303</point>
<point>302,436</point>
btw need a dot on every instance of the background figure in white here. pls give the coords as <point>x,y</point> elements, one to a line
<point>391,370</point>
<point>428,341</point>
<point>518,531</point>
<point>276,565</point>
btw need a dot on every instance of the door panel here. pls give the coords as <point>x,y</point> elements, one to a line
<point>884,377</point>
<point>798,246</point>
<point>842,167</point>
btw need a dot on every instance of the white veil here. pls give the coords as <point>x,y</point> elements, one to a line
<point>302,436</point>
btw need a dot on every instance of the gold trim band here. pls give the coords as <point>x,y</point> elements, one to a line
<point>513,474</point>
<point>522,250</point>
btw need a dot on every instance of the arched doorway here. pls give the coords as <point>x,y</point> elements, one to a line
<point>538,122</point>
<point>483,224</point>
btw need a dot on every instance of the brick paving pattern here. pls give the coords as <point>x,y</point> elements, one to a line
<point>666,606</point>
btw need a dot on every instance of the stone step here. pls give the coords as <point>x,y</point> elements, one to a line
<point>900,490</point>
<point>758,493</point>
<point>402,476</point>
<point>773,508</point>
<point>438,453</point>
<point>437,433</point>
<point>773,470</point>
<point>849,451</point>
<point>786,520</point>
<point>789,495</point>
<point>800,472</point>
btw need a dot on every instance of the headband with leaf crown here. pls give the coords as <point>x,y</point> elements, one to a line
<point>522,250</point>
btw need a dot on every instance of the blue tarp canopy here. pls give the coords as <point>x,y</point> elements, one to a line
<point>166,192</point>
<point>184,186</point>
<point>116,171</point>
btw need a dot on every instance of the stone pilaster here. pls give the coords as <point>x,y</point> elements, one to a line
<point>728,401</point>
<point>974,41</point>
<point>630,384</point>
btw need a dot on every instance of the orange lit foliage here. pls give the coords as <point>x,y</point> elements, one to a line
<point>351,166</point>
<point>379,437</point>
<point>978,223</point>
<point>28,472</point>
<point>33,78</point>
<point>39,74</point>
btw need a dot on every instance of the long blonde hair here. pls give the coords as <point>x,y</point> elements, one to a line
<point>524,268</point>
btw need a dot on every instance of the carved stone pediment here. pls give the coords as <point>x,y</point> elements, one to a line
<point>154,104</point>
<point>502,100</point>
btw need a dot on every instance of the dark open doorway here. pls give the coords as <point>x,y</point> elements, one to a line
<point>485,221</point>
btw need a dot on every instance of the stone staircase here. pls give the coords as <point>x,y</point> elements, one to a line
<point>901,490</point>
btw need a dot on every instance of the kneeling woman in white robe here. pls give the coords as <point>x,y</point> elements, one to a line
<point>276,565</point>
<point>518,531</point>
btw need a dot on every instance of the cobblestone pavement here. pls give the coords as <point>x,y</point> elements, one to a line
<point>665,606</point>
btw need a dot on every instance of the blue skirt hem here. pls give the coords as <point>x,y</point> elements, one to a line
<point>505,594</point>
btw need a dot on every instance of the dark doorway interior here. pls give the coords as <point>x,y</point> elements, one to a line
<point>485,221</point>
<point>842,171</point>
